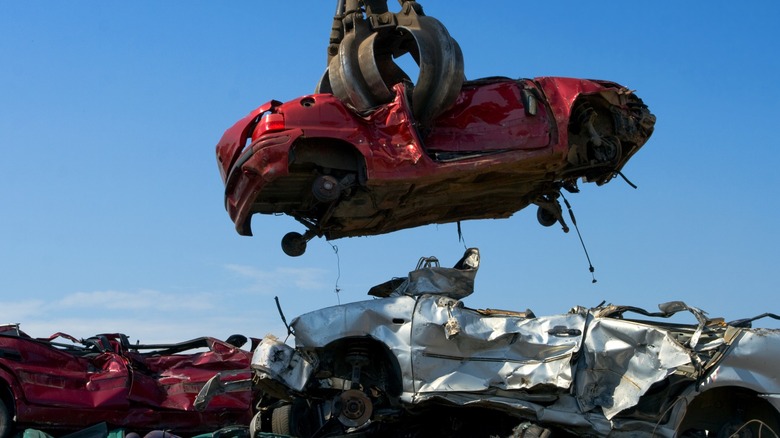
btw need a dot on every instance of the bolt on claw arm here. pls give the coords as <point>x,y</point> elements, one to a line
<point>366,38</point>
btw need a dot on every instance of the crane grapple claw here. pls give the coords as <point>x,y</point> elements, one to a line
<point>362,69</point>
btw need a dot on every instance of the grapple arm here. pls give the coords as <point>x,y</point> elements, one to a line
<point>365,40</point>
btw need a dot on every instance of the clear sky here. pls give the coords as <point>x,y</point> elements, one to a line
<point>112,205</point>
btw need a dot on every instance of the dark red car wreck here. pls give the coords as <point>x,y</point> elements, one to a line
<point>503,145</point>
<point>65,384</point>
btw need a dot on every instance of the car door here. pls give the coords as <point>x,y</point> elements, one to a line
<point>496,115</point>
<point>457,349</point>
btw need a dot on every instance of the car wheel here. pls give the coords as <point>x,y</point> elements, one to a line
<point>326,188</point>
<point>546,217</point>
<point>280,420</point>
<point>294,244</point>
<point>745,429</point>
<point>5,421</point>
<point>296,419</point>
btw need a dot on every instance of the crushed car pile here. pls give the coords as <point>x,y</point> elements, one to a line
<point>372,152</point>
<point>418,362</point>
<point>62,384</point>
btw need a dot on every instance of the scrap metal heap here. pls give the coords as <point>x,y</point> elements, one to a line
<point>372,152</point>
<point>62,384</point>
<point>416,361</point>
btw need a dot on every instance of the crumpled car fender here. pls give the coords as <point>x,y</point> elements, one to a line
<point>750,362</point>
<point>622,359</point>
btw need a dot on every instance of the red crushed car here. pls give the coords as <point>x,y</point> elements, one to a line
<point>503,145</point>
<point>62,383</point>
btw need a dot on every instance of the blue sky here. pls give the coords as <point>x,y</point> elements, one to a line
<point>112,213</point>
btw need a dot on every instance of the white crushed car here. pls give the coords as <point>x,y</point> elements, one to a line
<point>415,361</point>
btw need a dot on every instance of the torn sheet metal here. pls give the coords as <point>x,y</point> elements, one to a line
<point>285,364</point>
<point>501,351</point>
<point>620,362</point>
<point>430,278</point>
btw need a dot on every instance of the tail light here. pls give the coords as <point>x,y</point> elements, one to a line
<point>269,122</point>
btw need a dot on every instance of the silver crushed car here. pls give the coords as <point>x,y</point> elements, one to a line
<point>415,361</point>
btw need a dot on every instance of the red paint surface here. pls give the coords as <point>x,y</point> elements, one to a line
<point>71,388</point>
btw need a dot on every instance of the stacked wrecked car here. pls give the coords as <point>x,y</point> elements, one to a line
<point>62,384</point>
<point>416,361</point>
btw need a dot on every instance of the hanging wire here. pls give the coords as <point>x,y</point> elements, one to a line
<point>627,180</point>
<point>574,221</point>
<point>284,320</point>
<point>336,288</point>
<point>460,236</point>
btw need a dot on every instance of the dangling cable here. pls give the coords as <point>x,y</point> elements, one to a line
<point>460,236</point>
<point>626,180</point>
<point>337,289</point>
<point>574,221</point>
<point>284,320</point>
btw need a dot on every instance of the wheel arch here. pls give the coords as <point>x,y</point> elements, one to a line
<point>331,154</point>
<point>594,148</point>
<point>7,392</point>
<point>597,102</point>
<point>719,408</point>
<point>7,398</point>
<point>382,359</point>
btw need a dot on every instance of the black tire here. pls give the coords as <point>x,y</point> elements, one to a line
<point>6,424</point>
<point>293,244</point>
<point>545,217</point>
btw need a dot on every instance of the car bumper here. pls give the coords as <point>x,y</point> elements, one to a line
<point>259,165</point>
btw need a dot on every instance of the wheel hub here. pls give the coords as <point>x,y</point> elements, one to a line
<point>326,188</point>
<point>356,408</point>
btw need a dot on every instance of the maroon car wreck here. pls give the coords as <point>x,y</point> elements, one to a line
<point>503,145</point>
<point>62,383</point>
